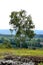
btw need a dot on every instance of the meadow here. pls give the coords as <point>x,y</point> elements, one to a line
<point>20,52</point>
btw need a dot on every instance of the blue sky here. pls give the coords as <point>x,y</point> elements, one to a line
<point>33,7</point>
<point>6,31</point>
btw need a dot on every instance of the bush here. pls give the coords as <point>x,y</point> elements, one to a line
<point>6,44</point>
<point>34,48</point>
<point>24,45</point>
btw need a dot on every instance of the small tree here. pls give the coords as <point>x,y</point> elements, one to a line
<point>11,30</point>
<point>6,43</point>
<point>22,24</point>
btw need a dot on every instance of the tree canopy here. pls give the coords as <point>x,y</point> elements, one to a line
<point>22,23</point>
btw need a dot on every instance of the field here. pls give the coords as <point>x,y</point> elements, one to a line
<point>21,52</point>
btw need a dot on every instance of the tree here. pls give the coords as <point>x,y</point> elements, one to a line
<point>22,24</point>
<point>11,30</point>
<point>6,43</point>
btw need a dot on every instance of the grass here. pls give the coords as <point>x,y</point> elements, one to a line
<point>40,63</point>
<point>21,52</point>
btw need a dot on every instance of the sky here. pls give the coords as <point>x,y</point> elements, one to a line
<point>32,7</point>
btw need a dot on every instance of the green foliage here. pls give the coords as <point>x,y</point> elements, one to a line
<point>20,42</point>
<point>6,43</point>
<point>24,45</point>
<point>22,23</point>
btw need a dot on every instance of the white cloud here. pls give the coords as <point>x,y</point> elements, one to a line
<point>33,7</point>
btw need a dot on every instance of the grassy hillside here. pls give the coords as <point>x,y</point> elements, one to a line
<point>21,52</point>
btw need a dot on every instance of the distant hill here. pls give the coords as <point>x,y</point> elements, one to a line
<point>39,36</point>
<point>38,31</point>
<point>36,36</point>
<point>7,31</point>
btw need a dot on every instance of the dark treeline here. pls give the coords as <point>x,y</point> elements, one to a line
<point>12,42</point>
